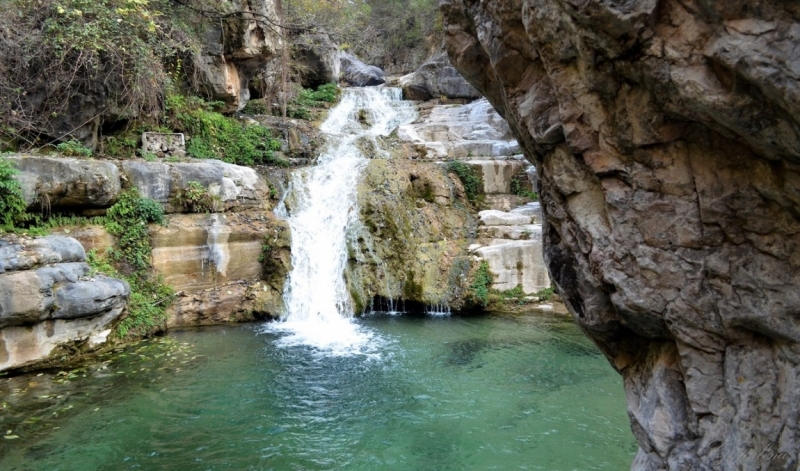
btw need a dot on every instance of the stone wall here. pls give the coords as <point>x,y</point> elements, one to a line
<point>667,144</point>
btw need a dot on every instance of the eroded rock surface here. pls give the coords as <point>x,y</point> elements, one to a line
<point>49,299</point>
<point>225,267</point>
<point>667,144</point>
<point>232,186</point>
<point>416,227</point>
<point>235,49</point>
<point>66,183</point>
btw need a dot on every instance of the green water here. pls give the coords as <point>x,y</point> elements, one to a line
<point>439,394</point>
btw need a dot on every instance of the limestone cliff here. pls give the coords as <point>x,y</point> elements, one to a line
<point>667,144</point>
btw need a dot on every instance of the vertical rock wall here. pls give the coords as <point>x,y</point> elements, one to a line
<point>667,143</point>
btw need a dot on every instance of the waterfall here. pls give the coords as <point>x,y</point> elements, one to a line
<point>320,207</point>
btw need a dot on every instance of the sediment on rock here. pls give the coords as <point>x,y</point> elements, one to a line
<point>667,147</point>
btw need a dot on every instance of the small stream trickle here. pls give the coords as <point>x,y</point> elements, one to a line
<point>320,207</point>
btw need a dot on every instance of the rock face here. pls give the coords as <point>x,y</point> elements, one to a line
<point>318,59</point>
<point>49,300</point>
<point>667,144</point>
<point>359,74</point>
<point>236,48</point>
<point>416,229</point>
<point>65,183</point>
<point>232,186</point>
<point>227,268</point>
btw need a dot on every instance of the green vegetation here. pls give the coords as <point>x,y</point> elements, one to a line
<point>12,204</point>
<point>518,296</point>
<point>545,294</point>
<point>127,46</point>
<point>212,135</point>
<point>481,284</point>
<point>130,259</point>
<point>519,189</point>
<point>195,198</point>
<point>473,186</point>
<point>73,148</point>
<point>399,24</point>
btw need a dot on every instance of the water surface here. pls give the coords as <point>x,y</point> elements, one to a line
<point>486,393</point>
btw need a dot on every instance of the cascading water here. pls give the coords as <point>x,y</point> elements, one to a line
<point>321,206</point>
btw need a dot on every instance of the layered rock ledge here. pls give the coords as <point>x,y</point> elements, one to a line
<point>50,301</point>
<point>667,144</point>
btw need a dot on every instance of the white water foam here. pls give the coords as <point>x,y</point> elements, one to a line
<point>320,208</point>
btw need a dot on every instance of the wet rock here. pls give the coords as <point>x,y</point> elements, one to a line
<point>493,217</point>
<point>415,227</point>
<point>226,267</point>
<point>66,183</point>
<point>467,131</point>
<point>668,155</point>
<point>359,74</point>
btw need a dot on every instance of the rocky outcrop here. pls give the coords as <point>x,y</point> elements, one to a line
<point>511,244</point>
<point>65,183</point>
<point>467,131</point>
<point>236,48</point>
<point>225,267</point>
<point>231,186</point>
<point>316,58</point>
<point>412,245</point>
<point>667,145</point>
<point>62,184</point>
<point>436,78</point>
<point>50,300</point>
<point>358,74</point>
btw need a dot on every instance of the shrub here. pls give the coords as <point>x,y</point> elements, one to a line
<point>127,220</point>
<point>55,51</point>
<point>196,199</point>
<point>73,148</point>
<point>12,204</point>
<point>473,186</point>
<point>481,284</point>
<point>519,189</point>
<point>212,135</point>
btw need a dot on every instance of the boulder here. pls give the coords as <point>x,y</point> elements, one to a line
<point>667,147</point>
<point>66,183</point>
<point>50,299</point>
<point>437,78</point>
<point>359,74</point>
<point>24,254</point>
<point>317,59</point>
